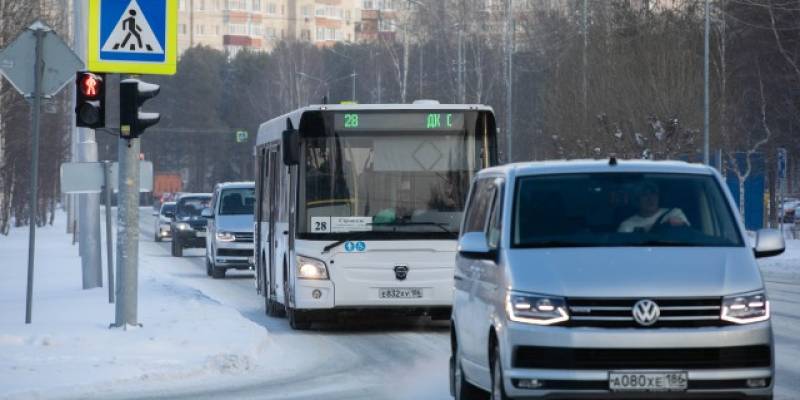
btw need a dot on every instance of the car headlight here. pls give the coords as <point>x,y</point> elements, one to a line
<point>183,226</point>
<point>309,268</point>
<point>226,237</point>
<point>745,308</point>
<point>536,309</point>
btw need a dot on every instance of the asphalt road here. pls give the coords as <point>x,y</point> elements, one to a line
<point>400,358</point>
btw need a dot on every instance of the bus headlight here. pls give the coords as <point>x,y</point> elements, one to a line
<point>745,308</point>
<point>536,309</point>
<point>309,268</point>
<point>226,237</point>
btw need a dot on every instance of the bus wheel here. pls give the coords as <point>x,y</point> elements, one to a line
<point>297,320</point>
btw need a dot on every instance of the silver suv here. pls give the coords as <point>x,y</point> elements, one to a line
<point>606,279</point>
<point>230,228</point>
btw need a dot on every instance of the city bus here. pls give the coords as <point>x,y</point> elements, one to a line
<point>358,206</point>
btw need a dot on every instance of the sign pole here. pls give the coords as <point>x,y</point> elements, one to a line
<point>39,32</point>
<point>107,187</point>
<point>127,232</point>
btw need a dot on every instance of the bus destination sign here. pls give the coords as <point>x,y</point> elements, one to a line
<point>402,121</point>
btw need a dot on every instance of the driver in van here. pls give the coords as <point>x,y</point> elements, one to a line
<point>650,214</point>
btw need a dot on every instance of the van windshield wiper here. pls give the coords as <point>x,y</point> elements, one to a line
<point>669,243</point>
<point>558,243</point>
<point>439,225</point>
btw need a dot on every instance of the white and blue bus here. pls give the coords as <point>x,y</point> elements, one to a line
<point>359,206</point>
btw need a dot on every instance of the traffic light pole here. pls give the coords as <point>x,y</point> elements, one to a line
<point>127,234</point>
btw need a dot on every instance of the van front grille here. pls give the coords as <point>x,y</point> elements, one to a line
<point>622,359</point>
<point>618,313</point>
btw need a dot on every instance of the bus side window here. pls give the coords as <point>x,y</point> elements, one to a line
<point>265,191</point>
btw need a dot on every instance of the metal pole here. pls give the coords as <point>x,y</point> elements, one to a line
<point>585,62</point>
<point>127,233</point>
<point>705,86</point>
<point>90,245</point>
<point>37,103</point>
<point>354,85</point>
<point>107,187</point>
<point>509,79</point>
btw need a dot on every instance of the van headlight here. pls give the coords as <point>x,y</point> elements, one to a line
<point>536,309</point>
<point>309,268</point>
<point>745,308</point>
<point>226,237</point>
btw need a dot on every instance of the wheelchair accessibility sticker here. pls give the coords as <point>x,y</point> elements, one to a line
<point>358,246</point>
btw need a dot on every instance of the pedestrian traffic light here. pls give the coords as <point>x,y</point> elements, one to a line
<point>132,94</point>
<point>90,106</point>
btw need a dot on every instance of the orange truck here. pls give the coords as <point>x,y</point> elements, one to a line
<point>166,183</point>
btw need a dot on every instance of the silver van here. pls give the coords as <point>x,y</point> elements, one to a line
<point>230,228</point>
<point>606,279</point>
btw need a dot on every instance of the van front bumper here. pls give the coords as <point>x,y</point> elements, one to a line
<point>562,362</point>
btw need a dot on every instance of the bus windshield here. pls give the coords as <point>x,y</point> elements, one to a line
<point>394,185</point>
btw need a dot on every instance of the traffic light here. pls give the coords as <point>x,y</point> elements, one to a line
<point>90,107</point>
<point>132,94</point>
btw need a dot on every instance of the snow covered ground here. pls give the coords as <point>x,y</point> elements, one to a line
<point>69,350</point>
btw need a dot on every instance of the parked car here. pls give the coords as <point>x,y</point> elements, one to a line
<point>230,228</point>
<point>163,220</point>
<point>789,207</point>
<point>189,227</point>
<point>609,280</point>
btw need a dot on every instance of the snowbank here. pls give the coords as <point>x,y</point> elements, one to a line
<point>69,349</point>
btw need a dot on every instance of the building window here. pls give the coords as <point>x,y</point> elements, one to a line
<point>200,29</point>
<point>183,29</point>
<point>201,5</point>
<point>236,4</point>
<point>256,30</point>
<point>386,25</point>
<point>368,4</point>
<point>182,5</point>
<point>237,29</point>
<point>216,30</point>
<point>272,8</point>
<point>256,5</point>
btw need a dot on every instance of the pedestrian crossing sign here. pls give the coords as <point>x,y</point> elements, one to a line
<point>132,36</point>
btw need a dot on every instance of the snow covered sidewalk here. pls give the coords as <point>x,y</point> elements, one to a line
<point>69,351</point>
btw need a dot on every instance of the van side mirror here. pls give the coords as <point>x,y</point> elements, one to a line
<point>769,242</point>
<point>290,147</point>
<point>206,213</point>
<point>474,245</point>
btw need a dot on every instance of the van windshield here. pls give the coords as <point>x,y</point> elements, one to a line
<point>237,201</point>
<point>622,209</point>
<point>192,206</point>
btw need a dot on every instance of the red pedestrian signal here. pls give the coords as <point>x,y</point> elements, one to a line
<point>90,100</point>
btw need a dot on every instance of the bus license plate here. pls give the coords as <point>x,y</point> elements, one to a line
<point>648,381</point>
<point>400,293</point>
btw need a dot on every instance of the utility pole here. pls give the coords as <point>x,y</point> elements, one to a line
<point>705,87</point>
<point>88,209</point>
<point>509,41</point>
<point>585,63</point>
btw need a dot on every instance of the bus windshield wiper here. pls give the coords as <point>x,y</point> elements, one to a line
<point>439,225</point>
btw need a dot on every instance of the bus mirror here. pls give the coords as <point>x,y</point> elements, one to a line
<point>290,145</point>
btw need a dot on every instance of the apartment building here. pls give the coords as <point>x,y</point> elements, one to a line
<point>233,25</point>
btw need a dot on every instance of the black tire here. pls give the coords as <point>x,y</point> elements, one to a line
<point>274,309</point>
<point>177,247</point>
<point>209,266</point>
<point>498,389</point>
<point>297,319</point>
<point>460,389</point>
<point>218,273</point>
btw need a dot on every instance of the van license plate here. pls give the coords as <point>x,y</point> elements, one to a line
<point>648,381</point>
<point>400,293</point>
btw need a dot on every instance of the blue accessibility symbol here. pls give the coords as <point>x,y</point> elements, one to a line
<point>349,246</point>
<point>361,246</point>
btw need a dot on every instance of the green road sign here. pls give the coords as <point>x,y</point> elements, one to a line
<point>241,136</point>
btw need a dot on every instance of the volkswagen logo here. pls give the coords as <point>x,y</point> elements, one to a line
<point>646,312</point>
<point>401,272</point>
